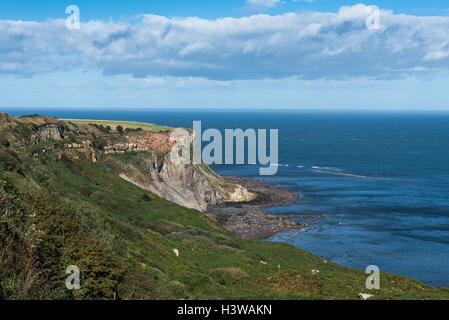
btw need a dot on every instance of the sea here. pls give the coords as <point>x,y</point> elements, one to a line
<point>379,178</point>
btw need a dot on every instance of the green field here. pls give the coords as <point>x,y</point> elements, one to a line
<point>125,124</point>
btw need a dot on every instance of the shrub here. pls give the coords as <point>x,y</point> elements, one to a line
<point>158,227</point>
<point>86,191</point>
<point>104,200</point>
<point>228,274</point>
<point>4,142</point>
<point>8,162</point>
<point>67,161</point>
<point>113,164</point>
<point>100,143</point>
<point>128,130</point>
<point>124,229</point>
<point>177,289</point>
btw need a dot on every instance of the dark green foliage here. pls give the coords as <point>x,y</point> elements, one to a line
<point>159,227</point>
<point>4,142</point>
<point>225,275</point>
<point>37,271</point>
<point>100,143</point>
<point>100,127</point>
<point>68,162</point>
<point>8,162</point>
<point>103,200</point>
<point>120,129</point>
<point>129,130</point>
<point>86,191</point>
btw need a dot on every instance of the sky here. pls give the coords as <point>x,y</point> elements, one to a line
<point>276,54</point>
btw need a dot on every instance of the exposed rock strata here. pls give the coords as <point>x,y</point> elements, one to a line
<point>167,174</point>
<point>174,178</point>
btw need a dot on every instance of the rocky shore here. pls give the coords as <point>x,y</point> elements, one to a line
<point>249,221</point>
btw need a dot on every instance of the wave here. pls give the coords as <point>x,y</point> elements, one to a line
<point>337,171</point>
<point>327,168</point>
<point>354,175</point>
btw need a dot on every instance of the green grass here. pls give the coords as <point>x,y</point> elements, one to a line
<point>125,124</point>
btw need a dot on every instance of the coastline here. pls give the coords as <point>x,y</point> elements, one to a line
<point>248,220</point>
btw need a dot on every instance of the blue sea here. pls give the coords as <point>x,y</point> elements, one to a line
<point>380,178</point>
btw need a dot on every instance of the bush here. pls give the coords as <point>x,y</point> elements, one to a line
<point>100,143</point>
<point>8,162</point>
<point>104,200</point>
<point>158,227</point>
<point>67,161</point>
<point>113,164</point>
<point>177,289</point>
<point>124,229</point>
<point>228,274</point>
<point>86,191</point>
<point>4,142</point>
<point>128,130</point>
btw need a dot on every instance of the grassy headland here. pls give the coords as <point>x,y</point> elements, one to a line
<point>124,124</point>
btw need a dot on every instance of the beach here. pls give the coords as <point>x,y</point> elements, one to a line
<point>249,220</point>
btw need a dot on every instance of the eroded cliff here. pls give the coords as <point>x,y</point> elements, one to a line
<point>150,160</point>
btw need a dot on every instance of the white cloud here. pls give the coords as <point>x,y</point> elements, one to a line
<point>309,45</point>
<point>195,48</point>
<point>436,55</point>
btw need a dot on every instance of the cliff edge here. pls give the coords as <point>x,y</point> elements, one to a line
<point>148,159</point>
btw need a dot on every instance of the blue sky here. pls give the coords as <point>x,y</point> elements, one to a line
<point>217,54</point>
<point>210,9</point>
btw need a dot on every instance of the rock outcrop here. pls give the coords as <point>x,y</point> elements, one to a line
<point>148,141</point>
<point>50,132</point>
<point>175,178</point>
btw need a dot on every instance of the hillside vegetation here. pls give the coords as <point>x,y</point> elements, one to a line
<point>60,208</point>
<point>124,124</point>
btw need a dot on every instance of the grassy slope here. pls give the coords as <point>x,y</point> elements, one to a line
<point>125,124</point>
<point>77,212</point>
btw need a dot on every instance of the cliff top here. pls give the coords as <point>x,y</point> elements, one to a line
<point>124,124</point>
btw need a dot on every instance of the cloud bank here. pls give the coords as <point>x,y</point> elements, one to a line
<point>309,45</point>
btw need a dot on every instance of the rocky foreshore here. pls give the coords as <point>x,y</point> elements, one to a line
<point>249,221</point>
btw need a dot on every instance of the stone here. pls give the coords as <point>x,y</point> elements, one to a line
<point>365,296</point>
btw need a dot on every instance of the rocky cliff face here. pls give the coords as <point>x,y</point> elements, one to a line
<point>161,169</point>
<point>50,132</point>
<point>173,177</point>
